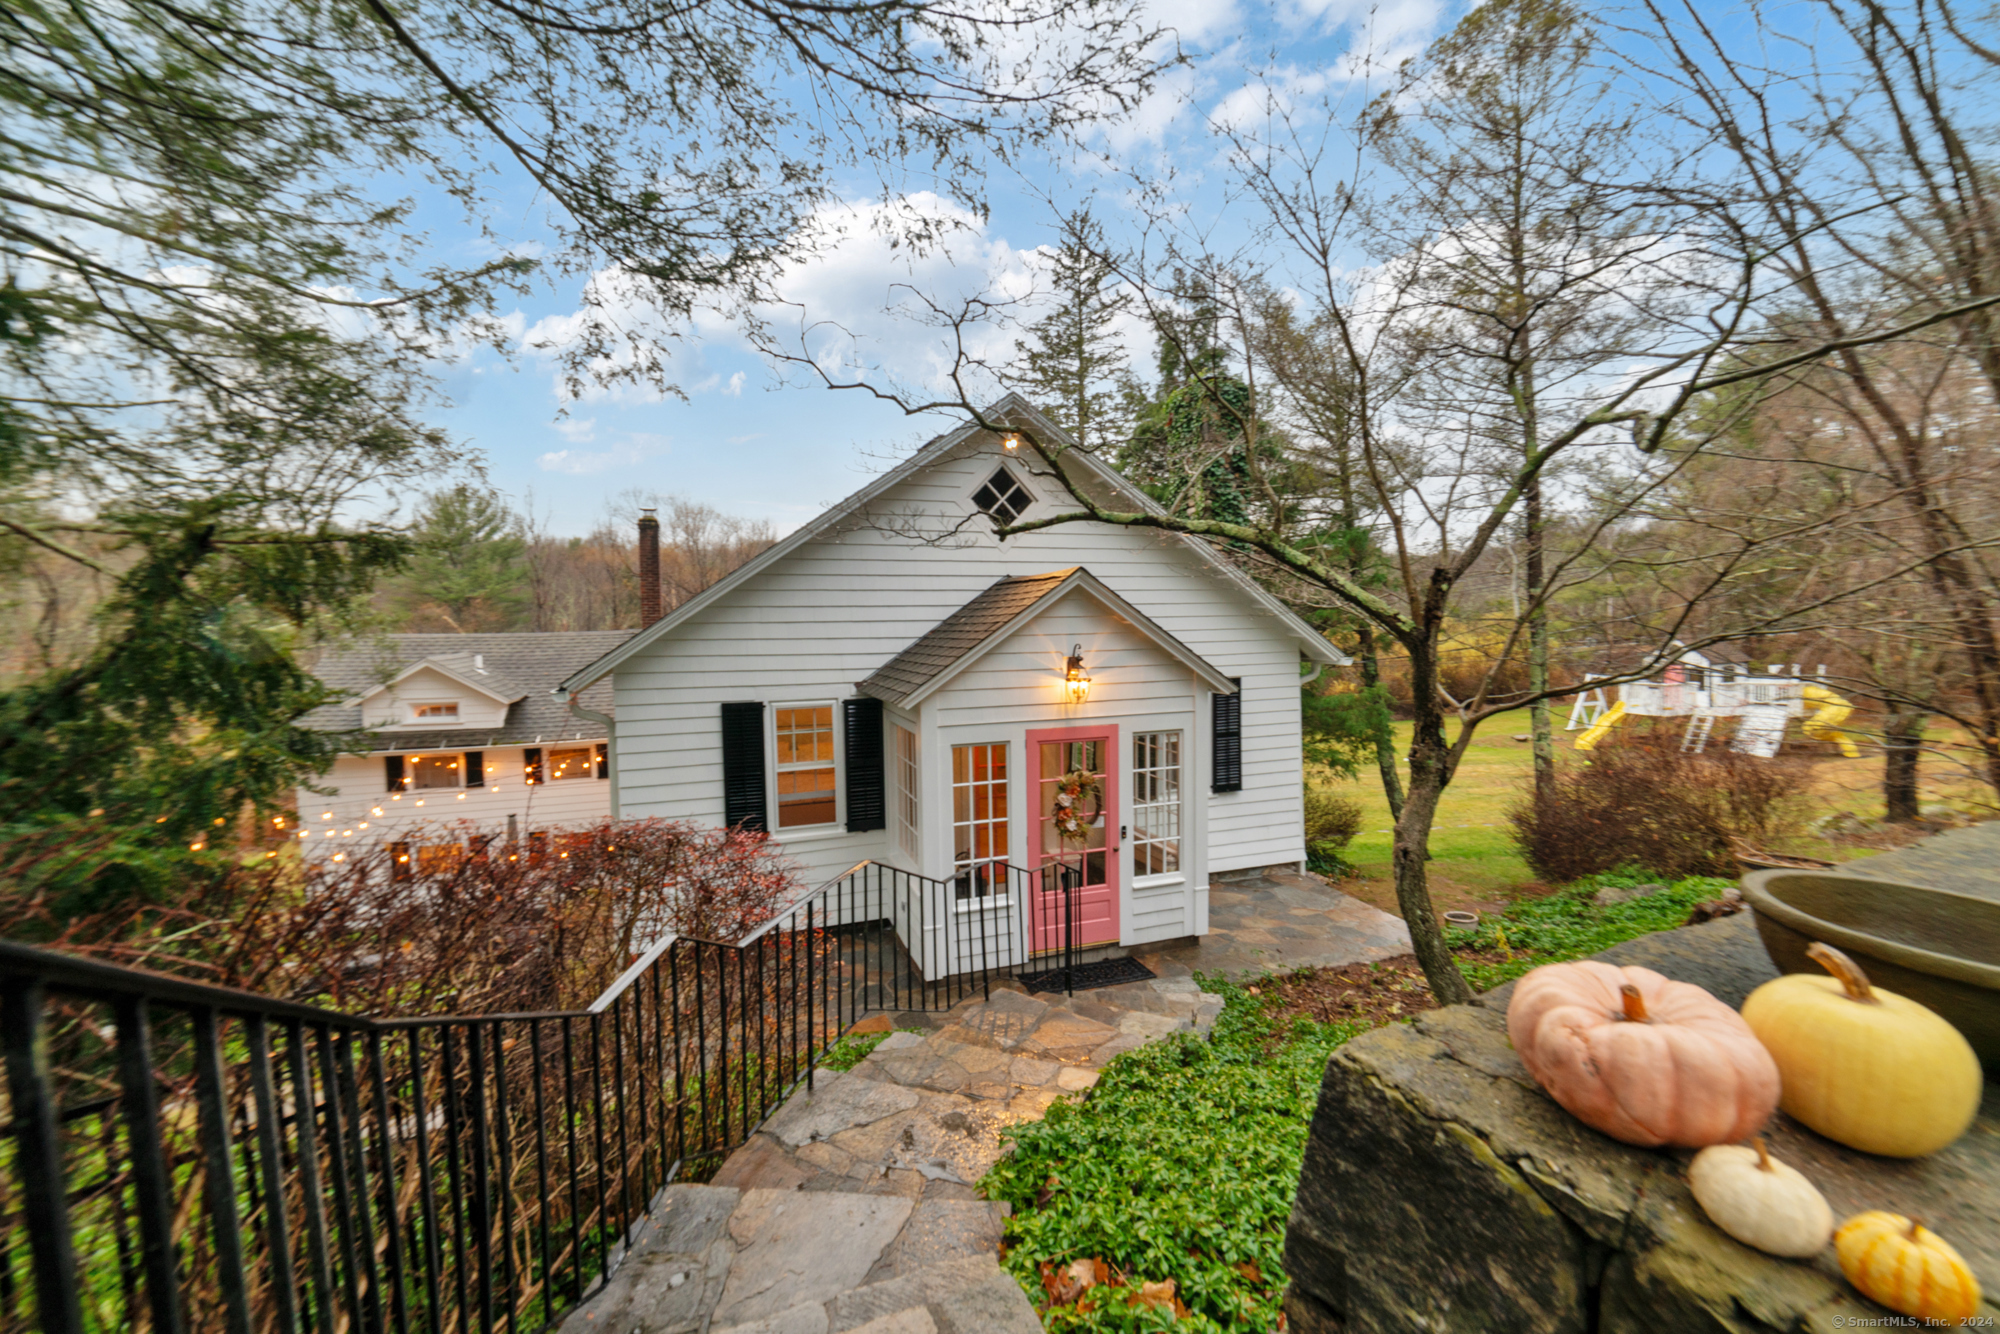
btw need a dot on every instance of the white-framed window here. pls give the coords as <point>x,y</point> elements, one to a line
<point>1002,497</point>
<point>446,770</point>
<point>805,770</point>
<point>979,819</point>
<point>571,762</point>
<point>438,713</point>
<point>1156,803</point>
<point>906,792</point>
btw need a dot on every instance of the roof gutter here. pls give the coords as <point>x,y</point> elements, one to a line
<point>610,738</point>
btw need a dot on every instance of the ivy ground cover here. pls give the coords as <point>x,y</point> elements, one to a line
<point>1180,1166</point>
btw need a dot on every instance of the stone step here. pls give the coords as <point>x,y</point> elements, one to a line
<point>809,1262</point>
<point>966,1295</point>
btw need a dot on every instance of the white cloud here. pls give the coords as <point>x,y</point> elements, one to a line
<point>578,432</point>
<point>636,448</point>
<point>863,304</point>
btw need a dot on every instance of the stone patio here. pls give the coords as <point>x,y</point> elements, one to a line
<point>1278,919</point>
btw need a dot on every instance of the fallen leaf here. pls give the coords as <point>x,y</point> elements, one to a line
<point>1156,1294</point>
<point>1101,1271</point>
<point>1061,1288</point>
<point>1250,1271</point>
<point>1084,1273</point>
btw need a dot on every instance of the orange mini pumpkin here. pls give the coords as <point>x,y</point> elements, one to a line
<point>1643,1058</point>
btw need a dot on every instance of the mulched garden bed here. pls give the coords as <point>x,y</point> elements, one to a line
<point>1356,993</point>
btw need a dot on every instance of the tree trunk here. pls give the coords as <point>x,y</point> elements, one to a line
<point>1385,746</point>
<point>1902,743</point>
<point>1430,772</point>
<point>1538,651</point>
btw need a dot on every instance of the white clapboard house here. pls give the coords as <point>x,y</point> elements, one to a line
<point>892,682</point>
<point>461,738</point>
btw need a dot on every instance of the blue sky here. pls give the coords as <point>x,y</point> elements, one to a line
<point>749,442</point>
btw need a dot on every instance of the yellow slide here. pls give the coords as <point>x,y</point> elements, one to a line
<point>1602,727</point>
<point>1824,725</point>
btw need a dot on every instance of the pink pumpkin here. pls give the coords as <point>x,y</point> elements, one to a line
<point>1643,1058</point>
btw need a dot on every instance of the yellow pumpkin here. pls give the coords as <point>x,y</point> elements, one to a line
<point>1875,1071</point>
<point>1906,1267</point>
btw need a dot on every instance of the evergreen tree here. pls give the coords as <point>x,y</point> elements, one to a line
<point>469,571</point>
<point>1188,444</point>
<point>1072,365</point>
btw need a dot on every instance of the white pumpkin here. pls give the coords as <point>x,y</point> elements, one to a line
<point>1760,1201</point>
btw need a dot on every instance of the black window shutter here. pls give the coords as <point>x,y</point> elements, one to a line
<point>392,766</point>
<point>604,759</point>
<point>743,765</point>
<point>475,768</point>
<point>867,803</point>
<point>531,762</point>
<point>1228,728</point>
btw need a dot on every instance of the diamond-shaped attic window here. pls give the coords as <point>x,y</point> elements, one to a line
<point>1003,497</point>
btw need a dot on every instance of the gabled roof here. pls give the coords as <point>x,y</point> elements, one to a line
<point>521,669</point>
<point>1013,407</point>
<point>963,637</point>
<point>468,669</point>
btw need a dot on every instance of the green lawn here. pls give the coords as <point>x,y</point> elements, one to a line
<point>1474,862</point>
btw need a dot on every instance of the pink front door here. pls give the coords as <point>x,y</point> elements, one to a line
<point>1058,751</point>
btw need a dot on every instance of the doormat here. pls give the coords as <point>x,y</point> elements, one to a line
<point>1088,976</point>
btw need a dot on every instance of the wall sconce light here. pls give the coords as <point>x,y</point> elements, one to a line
<point>1011,443</point>
<point>1076,685</point>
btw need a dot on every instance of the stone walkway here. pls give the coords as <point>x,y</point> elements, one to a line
<point>922,1116</point>
<point>856,1206</point>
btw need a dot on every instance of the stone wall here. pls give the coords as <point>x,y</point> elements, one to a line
<point>1442,1190</point>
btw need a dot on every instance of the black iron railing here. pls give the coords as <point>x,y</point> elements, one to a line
<point>190,1157</point>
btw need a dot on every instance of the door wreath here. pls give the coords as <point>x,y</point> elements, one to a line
<point>1076,790</point>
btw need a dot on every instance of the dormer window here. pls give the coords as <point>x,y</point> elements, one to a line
<point>440,713</point>
<point>1002,497</point>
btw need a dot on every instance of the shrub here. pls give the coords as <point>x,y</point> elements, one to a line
<point>1331,819</point>
<point>543,924</point>
<point>1669,812</point>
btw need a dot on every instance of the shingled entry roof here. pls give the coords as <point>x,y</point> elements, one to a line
<point>962,632</point>
<point>961,635</point>
<point>521,667</point>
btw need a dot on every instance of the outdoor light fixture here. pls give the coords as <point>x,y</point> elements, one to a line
<point>1010,443</point>
<point>1076,684</point>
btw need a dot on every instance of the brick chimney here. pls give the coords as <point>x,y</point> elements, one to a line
<point>649,568</point>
